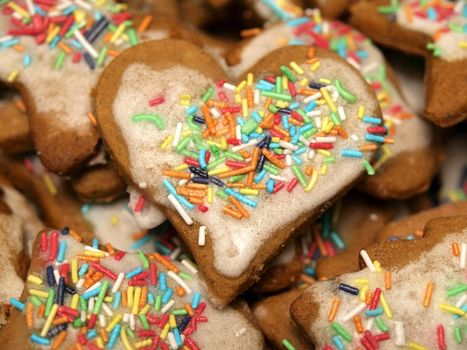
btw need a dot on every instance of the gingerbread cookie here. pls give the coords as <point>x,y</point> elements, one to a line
<point>77,294</point>
<point>382,305</point>
<point>435,30</point>
<point>156,145</point>
<point>14,133</point>
<point>416,155</point>
<point>273,317</point>
<point>54,55</point>
<point>453,174</point>
<point>411,227</point>
<point>330,8</point>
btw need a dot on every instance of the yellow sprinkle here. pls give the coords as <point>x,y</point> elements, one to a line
<point>312,183</point>
<point>19,10</point>
<point>317,17</point>
<point>143,343</point>
<point>452,309</point>
<point>249,191</point>
<point>259,130</point>
<point>415,346</point>
<point>384,304</point>
<point>114,219</point>
<point>168,140</point>
<point>35,280</point>
<point>377,265</point>
<point>95,254</point>
<point>181,167</point>
<point>100,342</point>
<point>165,331</point>
<point>223,143</point>
<point>186,133</point>
<point>285,83</point>
<point>282,104</point>
<point>323,170</point>
<point>129,296</point>
<point>275,139</point>
<point>52,34</point>
<point>304,82</point>
<point>49,184</point>
<point>172,321</point>
<point>324,81</point>
<point>136,298</point>
<point>218,171</point>
<point>297,69</point>
<point>462,44</point>
<point>249,79</point>
<point>363,292</point>
<point>240,86</point>
<point>320,102</point>
<point>49,320</point>
<point>108,299</point>
<point>118,33</point>
<point>125,340</point>
<point>361,281</point>
<point>74,301</point>
<point>361,112</point>
<point>324,153</point>
<point>39,293</point>
<point>212,143</point>
<point>210,195</point>
<point>145,309</point>
<point>74,271</point>
<point>328,99</point>
<point>245,108</point>
<point>116,320</point>
<point>314,67</point>
<point>12,76</point>
<point>238,98</point>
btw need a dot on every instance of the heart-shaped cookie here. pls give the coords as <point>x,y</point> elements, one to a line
<point>245,162</point>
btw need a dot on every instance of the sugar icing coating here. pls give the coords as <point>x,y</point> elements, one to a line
<point>405,301</point>
<point>61,96</point>
<point>273,10</point>
<point>149,216</point>
<point>447,18</point>
<point>235,242</point>
<point>215,328</point>
<point>370,62</point>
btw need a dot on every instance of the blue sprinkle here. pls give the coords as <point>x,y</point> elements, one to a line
<point>202,159</point>
<point>256,117</point>
<point>134,272</point>
<point>151,298</point>
<point>374,313</point>
<point>91,334</point>
<point>95,243</point>
<point>83,269</point>
<point>117,299</point>
<point>372,120</point>
<point>140,242</point>
<point>310,271</point>
<point>260,176</point>
<point>297,21</point>
<point>352,153</point>
<point>191,110</point>
<point>296,42</point>
<point>61,251</point>
<point>114,336</point>
<point>196,300</point>
<point>337,240</point>
<point>432,15</point>
<point>178,339</point>
<point>167,295</point>
<point>270,185</point>
<point>85,208</point>
<point>91,293</point>
<point>17,304</point>
<point>348,289</point>
<point>162,281</point>
<point>338,342</point>
<point>27,60</point>
<point>374,138</point>
<point>300,151</point>
<point>305,128</point>
<point>39,340</point>
<point>241,198</point>
<point>309,107</point>
<point>297,160</point>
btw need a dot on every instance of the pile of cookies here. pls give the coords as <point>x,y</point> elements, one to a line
<point>219,174</point>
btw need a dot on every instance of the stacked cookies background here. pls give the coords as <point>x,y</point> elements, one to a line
<point>254,174</point>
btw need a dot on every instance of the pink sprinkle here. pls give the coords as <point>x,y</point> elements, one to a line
<point>203,208</point>
<point>292,184</point>
<point>28,165</point>
<point>139,204</point>
<point>156,101</point>
<point>329,248</point>
<point>43,242</point>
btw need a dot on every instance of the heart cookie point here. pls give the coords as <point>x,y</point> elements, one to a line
<point>225,156</point>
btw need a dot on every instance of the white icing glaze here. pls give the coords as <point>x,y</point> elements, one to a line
<point>150,216</point>
<point>217,333</point>
<point>411,134</point>
<point>405,298</point>
<point>235,242</point>
<point>447,42</point>
<point>287,255</point>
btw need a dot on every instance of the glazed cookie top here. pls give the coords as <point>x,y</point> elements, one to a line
<point>358,50</point>
<point>229,151</point>
<point>273,10</point>
<point>419,304</point>
<point>444,20</point>
<point>122,301</point>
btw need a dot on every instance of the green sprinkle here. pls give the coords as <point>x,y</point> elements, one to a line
<point>130,333</point>
<point>214,150</point>
<point>287,344</point>
<point>271,169</point>
<point>185,276</point>
<point>329,160</point>
<point>144,259</point>
<point>288,73</point>
<point>77,323</point>
<point>461,288</point>
<point>335,118</point>
<point>381,325</point>
<point>221,194</point>
<point>179,312</point>
<point>214,164</point>
<point>152,118</point>
<point>198,140</point>
<point>35,300</point>
<point>236,178</point>
<point>386,10</point>
<point>132,37</point>
<point>232,155</point>
<point>273,109</point>
<point>279,85</point>
<point>277,96</point>
<point>102,56</point>
<point>298,173</point>
<point>157,304</point>
<point>100,298</point>
<point>188,153</point>
<point>144,321</point>
<point>369,169</point>
<point>341,331</point>
<point>458,334</point>
<point>208,94</point>
<point>60,60</point>
<point>192,123</point>
<point>183,143</point>
<point>309,133</point>
<point>50,302</point>
<point>347,95</point>
<point>82,303</point>
<point>250,126</point>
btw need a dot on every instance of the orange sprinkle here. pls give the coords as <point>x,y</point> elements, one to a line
<point>248,33</point>
<point>368,147</point>
<point>195,186</point>
<point>320,243</point>
<point>87,258</point>
<point>41,311</point>
<point>249,97</point>
<point>388,140</point>
<point>29,315</point>
<point>307,92</point>
<point>408,13</point>
<point>92,118</point>
<point>76,236</point>
<point>177,174</point>
<point>341,131</point>
<point>334,307</point>
<point>20,105</point>
<point>236,184</point>
<point>419,233</point>
<point>65,48</point>
<point>60,320</point>
<point>250,178</point>
<point>145,23</point>
<point>255,157</point>
<point>239,206</point>
<point>124,298</point>
<point>311,52</point>
<point>143,297</point>
<point>295,122</point>
<point>104,335</point>
<point>267,103</point>
<point>307,279</point>
<point>428,294</point>
<point>97,276</point>
<point>273,159</point>
<point>232,212</point>
<point>208,119</point>
<point>357,320</point>
<point>404,115</point>
<point>368,298</point>
<point>309,170</point>
<point>180,291</point>
<point>189,309</point>
<point>387,280</point>
<point>195,200</point>
<point>235,172</point>
<point>165,262</point>
<point>19,48</point>
<point>110,249</point>
<point>455,249</point>
<point>113,53</point>
<point>184,191</point>
<point>259,186</point>
<point>59,339</point>
<point>138,235</point>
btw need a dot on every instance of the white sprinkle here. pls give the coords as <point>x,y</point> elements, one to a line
<point>288,160</point>
<point>463,257</point>
<point>458,8</point>
<point>229,86</point>
<point>354,63</point>
<point>102,322</point>
<point>118,282</point>
<point>311,154</point>
<point>180,209</point>
<point>132,322</point>
<point>326,139</point>
<point>87,46</point>
<point>202,236</point>
<point>352,313</point>
<point>179,280</point>
<point>5,38</point>
<point>142,185</point>
<point>325,27</point>
<point>94,286</point>
<point>91,305</point>
<point>178,133</point>
<point>303,140</point>
<point>189,265</point>
<point>238,132</point>
<point>107,309</point>
<point>278,178</point>
<point>368,261</point>
<point>57,276</point>
<point>312,97</point>
<point>172,341</point>
<point>318,122</point>
<point>368,68</point>
<point>250,143</point>
<point>315,113</point>
<point>333,91</point>
<point>80,283</point>
<point>240,332</point>
<point>83,316</point>
<point>461,300</point>
<point>126,317</point>
<point>183,182</point>
<point>174,255</point>
<point>354,137</point>
<point>370,323</point>
<point>83,4</point>
<point>288,145</point>
<point>215,113</point>
<point>256,97</point>
<point>341,112</point>
<point>168,306</point>
<point>400,334</point>
<point>31,8</point>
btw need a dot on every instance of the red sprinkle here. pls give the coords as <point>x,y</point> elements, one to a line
<point>321,145</point>
<point>156,101</point>
<point>292,184</point>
